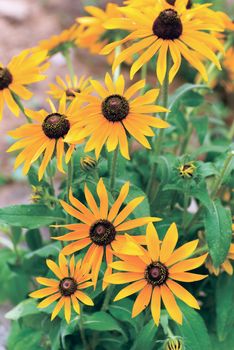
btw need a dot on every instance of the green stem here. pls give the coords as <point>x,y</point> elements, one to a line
<point>200,250</point>
<point>219,180</point>
<point>107,298</point>
<point>70,170</point>
<point>159,140</point>
<point>82,331</point>
<point>186,203</point>
<point>113,169</point>
<point>50,177</point>
<point>67,55</point>
<point>21,107</point>
<point>143,76</point>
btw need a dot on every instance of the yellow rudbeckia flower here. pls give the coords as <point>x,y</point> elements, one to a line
<point>154,272</point>
<point>166,29</point>
<point>66,289</point>
<point>22,70</point>
<point>44,137</point>
<point>100,228</point>
<point>114,113</point>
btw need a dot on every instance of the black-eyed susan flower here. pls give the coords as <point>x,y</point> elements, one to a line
<point>44,137</point>
<point>229,67</point>
<point>22,70</point>
<point>166,29</point>
<point>114,114</point>
<point>62,41</point>
<point>154,273</point>
<point>70,87</point>
<point>100,227</point>
<point>67,288</point>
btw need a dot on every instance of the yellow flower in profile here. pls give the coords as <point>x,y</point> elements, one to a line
<point>71,280</point>
<point>167,29</point>
<point>44,137</point>
<point>174,343</point>
<point>70,87</point>
<point>144,3</point>
<point>153,274</point>
<point>100,226</point>
<point>61,41</point>
<point>229,67</point>
<point>22,70</point>
<point>93,30</point>
<point>114,114</point>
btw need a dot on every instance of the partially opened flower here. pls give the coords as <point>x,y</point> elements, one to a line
<point>71,87</point>
<point>44,137</point>
<point>153,274</point>
<point>113,114</point>
<point>167,30</point>
<point>62,41</point>
<point>21,71</point>
<point>100,227</point>
<point>67,288</point>
<point>225,266</point>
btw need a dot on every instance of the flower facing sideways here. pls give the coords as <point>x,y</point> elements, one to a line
<point>44,137</point>
<point>100,227</point>
<point>24,69</point>
<point>70,87</point>
<point>114,114</point>
<point>71,280</point>
<point>155,271</point>
<point>165,29</point>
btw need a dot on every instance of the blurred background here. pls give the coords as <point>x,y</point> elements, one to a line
<point>22,24</point>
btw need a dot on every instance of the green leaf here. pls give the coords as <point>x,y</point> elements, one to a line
<point>192,99</point>
<point>218,231</point>
<point>193,330</point>
<point>181,91</point>
<point>224,306</point>
<point>209,148</point>
<point>145,338</point>
<point>33,239</point>
<point>24,338</point>
<point>30,216</point>
<point>201,126</point>
<point>16,234</point>
<point>44,252</point>
<point>102,321</point>
<point>25,308</point>
<point>121,310</point>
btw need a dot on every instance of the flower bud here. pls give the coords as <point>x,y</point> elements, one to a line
<point>88,163</point>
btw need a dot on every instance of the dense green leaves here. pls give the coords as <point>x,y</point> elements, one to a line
<point>25,308</point>
<point>224,306</point>
<point>30,216</point>
<point>193,330</point>
<point>145,338</point>
<point>218,231</point>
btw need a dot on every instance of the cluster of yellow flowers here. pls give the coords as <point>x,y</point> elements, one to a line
<point>99,116</point>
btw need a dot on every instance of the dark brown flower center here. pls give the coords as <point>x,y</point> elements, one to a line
<point>67,286</point>
<point>55,126</point>
<point>115,108</point>
<point>189,5</point>
<point>102,232</point>
<point>71,92</point>
<point>168,25</point>
<point>5,78</point>
<point>156,274</point>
